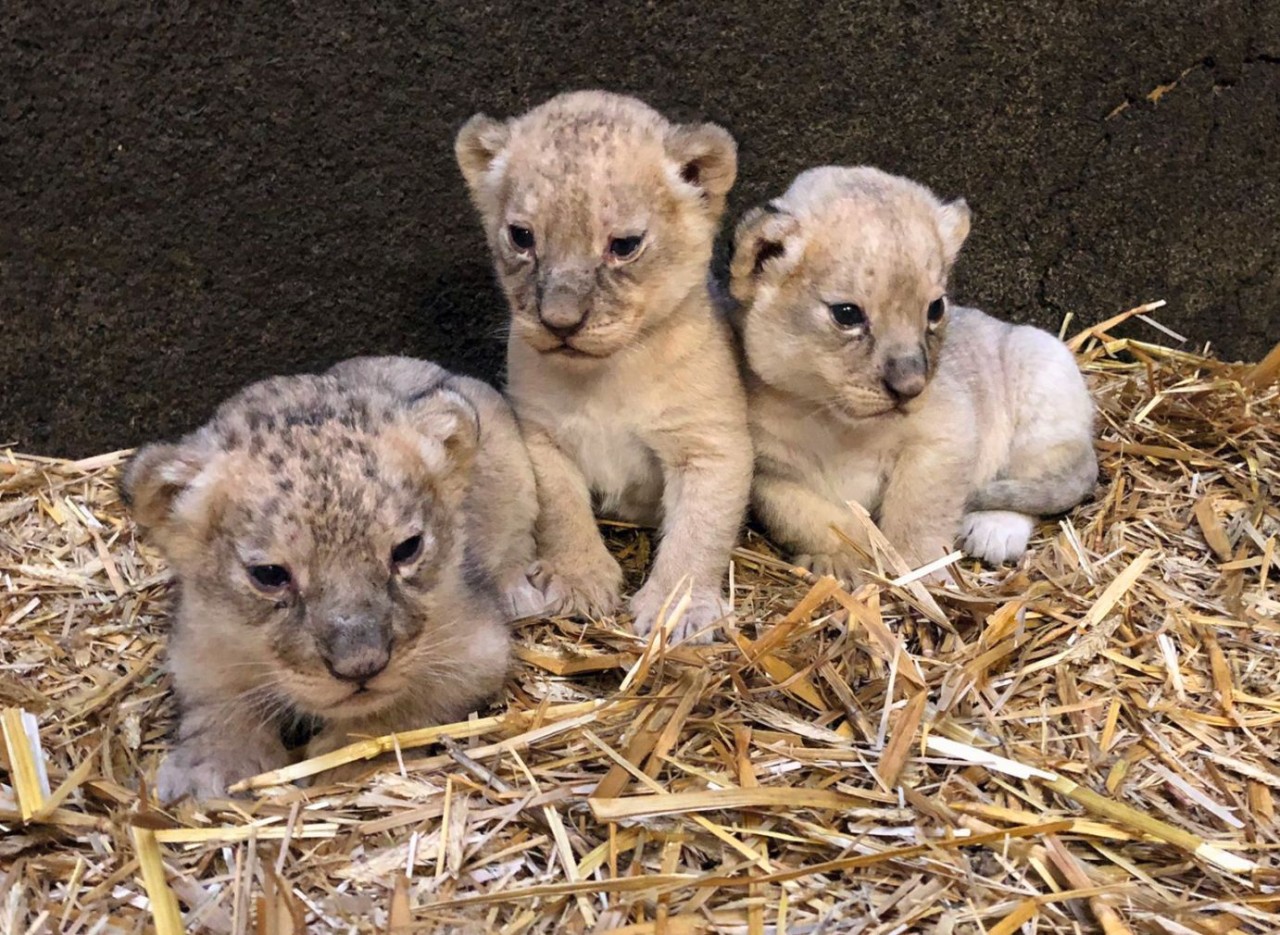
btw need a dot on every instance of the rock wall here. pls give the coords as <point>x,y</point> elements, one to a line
<point>198,196</point>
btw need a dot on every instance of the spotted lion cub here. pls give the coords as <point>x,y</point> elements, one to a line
<point>336,540</point>
<point>601,216</point>
<point>867,384</point>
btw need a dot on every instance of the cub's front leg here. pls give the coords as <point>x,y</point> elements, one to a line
<point>574,570</point>
<point>706,485</point>
<point>805,522</point>
<point>925,497</point>
<point>217,746</point>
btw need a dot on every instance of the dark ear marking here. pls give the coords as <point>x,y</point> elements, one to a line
<point>691,174</point>
<point>768,250</point>
<point>767,240</point>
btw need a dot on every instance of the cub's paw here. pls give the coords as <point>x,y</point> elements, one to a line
<point>698,624</point>
<point>996,536</point>
<point>842,566</point>
<point>206,774</point>
<point>586,591</point>
<point>521,598</point>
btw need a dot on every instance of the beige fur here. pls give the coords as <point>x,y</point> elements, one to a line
<point>622,374</point>
<point>963,427</point>
<point>334,478</point>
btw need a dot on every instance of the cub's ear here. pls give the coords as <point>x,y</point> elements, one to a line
<point>766,247</point>
<point>168,489</point>
<point>707,157</point>
<point>446,438</point>
<point>478,144</point>
<point>153,479</point>
<point>953,225</point>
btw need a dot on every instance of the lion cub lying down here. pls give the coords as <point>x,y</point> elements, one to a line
<point>601,217</point>
<point>867,384</point>
<point>336,541</point>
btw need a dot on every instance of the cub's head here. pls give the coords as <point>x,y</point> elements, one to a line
<point>315,526</point>
<point>600,215</point>
<point>842,283</point>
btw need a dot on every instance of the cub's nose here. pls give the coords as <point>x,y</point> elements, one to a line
<point>905,375</point>
<point>562,312</point>
<point>360,665</point>
<point>563,330</point>
<point>355,652</point>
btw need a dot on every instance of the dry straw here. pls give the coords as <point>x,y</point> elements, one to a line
<point>1084,743</point>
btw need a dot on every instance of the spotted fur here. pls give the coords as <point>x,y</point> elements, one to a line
<point>325,476</point>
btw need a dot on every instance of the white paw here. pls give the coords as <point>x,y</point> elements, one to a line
<point>698,623</point>
<point>840,565</point>
<point>996,536</point>
<point>581,592</point>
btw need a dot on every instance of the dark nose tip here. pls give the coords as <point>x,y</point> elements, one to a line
<point>562,329</point>
<point>905,377</point>
<point>360,665</point>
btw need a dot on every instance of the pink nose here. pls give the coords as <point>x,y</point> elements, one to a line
<point>905,375</point>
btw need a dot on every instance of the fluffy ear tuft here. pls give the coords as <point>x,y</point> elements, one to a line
<point>478,144</point>
<point>447,429</point>
<point>953,225</point>
<point>153,480</point>
<point>708,159</point>
<point>766,245</point>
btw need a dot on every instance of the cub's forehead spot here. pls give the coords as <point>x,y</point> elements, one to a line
<point>324,496</point>
<point>878,250</point>
<point>615,155</point>
<point>313,457</point>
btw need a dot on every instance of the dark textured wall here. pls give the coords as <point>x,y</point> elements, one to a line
<point>193,196</point>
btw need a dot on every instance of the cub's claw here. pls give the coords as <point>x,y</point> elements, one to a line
<point>580,593</point>
<point>706,609</point>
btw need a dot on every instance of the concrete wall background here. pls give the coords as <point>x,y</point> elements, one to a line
<point>197,196</point>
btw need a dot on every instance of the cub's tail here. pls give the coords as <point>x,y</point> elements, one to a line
<point>1071,480</point>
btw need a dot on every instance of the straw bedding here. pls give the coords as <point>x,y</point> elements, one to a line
<point>1086,742</point>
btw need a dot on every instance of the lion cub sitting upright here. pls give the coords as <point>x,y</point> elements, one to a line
<point>601,216</point>
<point>344,546</point>
<point>868,384</point>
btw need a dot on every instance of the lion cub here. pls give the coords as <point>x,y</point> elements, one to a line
<point>601,216</point>
<point>868,384</point>
<point>339,542</point>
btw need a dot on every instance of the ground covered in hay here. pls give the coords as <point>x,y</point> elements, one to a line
<point>1087,742</point>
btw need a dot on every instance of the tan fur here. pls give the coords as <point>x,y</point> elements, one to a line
<point>968,425</point>
<point>326,476</point>
<point>639,405</point>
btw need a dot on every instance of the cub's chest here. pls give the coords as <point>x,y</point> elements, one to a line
<point>853,464</point>
<point>622,471</point>
<point>858,474</point>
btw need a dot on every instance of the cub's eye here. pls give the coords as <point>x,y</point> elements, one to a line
<point>937,308</point>
<point>623,248</point>
<point>847,315</point>
<point>407,551</point>
<point>270,578</point>
<point>521,237</point>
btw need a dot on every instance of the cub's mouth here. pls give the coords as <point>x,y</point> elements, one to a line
<point>362,699</point>
<point>569,352</point>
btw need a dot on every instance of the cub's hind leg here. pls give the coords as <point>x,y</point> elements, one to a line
<point>1051,465</point>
